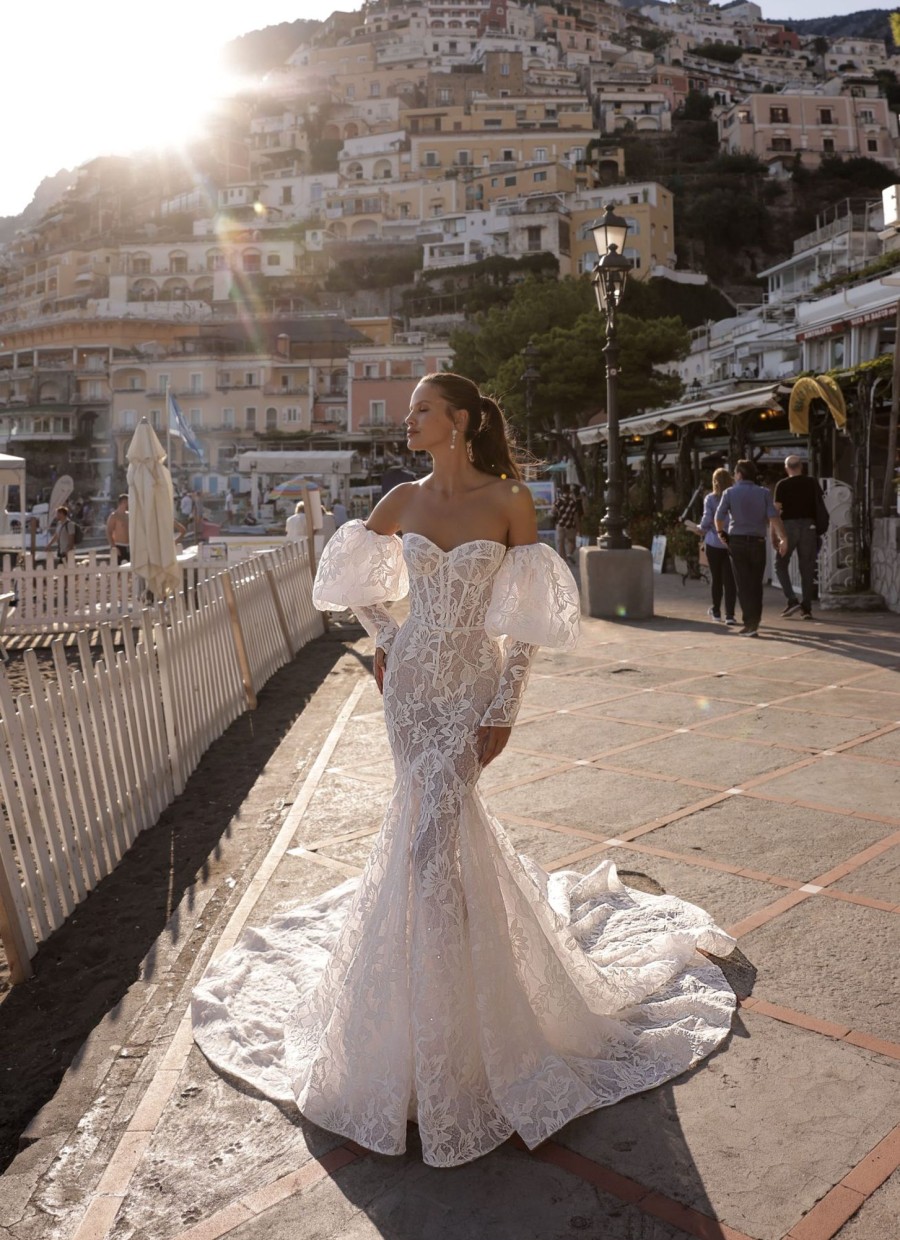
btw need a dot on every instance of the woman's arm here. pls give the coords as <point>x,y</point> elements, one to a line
<point>387,515</point>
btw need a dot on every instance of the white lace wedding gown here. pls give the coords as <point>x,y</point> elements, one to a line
<point>456,983</point>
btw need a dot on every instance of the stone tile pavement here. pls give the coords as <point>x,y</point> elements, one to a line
<point>760,779</point>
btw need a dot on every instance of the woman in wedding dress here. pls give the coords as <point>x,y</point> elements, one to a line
<point>455,983</point>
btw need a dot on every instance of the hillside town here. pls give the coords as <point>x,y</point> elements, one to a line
<point>287,277</point>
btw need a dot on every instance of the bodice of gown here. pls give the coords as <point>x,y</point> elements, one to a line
<point>451,590</point>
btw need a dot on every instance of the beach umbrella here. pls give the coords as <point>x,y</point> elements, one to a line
<point>294,488</point>
<point>151,507</point>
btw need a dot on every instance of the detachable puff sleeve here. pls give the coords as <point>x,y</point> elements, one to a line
<point>534,599</point>
<point>534,603</point>
<point>362,570</point>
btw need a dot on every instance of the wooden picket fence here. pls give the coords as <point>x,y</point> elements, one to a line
<point>93,758</point>
<point>87,592</point>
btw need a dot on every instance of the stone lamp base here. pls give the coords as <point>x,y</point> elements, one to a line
<point>616,585</point>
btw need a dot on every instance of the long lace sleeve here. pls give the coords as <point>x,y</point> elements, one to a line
<point>362,570</point>
<point>534,603</point>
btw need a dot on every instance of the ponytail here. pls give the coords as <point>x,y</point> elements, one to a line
<point>489,443</point>
<point>492,449</point>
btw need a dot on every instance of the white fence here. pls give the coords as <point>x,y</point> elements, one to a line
<point>92,759</point>
<point>74,596</point>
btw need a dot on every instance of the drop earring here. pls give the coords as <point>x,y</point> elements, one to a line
<point>453,439</point>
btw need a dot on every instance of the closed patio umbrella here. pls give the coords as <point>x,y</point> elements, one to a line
<point>151,509</point>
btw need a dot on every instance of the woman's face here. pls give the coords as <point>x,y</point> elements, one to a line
<point>430,421</point>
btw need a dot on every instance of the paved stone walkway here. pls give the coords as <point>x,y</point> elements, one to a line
<point>760,779</point>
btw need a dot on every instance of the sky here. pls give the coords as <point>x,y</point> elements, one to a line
<point>106,76</point>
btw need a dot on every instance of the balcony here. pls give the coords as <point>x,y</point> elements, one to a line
<point>236,387</point>
<point>299,389</point>
<point>190,393</point>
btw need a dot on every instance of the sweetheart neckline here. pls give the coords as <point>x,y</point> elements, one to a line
<point>471,542</point>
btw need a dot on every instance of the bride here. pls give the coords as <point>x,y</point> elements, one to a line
<point>456,983</point>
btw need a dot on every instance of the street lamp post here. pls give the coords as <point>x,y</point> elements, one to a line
<point>616,578</point>
<point>529,377</point>
<point>608,280</point>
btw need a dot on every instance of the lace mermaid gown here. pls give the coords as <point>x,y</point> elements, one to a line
<point>456,983</point>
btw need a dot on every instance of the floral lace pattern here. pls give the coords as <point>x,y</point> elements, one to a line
<point>456,983</point>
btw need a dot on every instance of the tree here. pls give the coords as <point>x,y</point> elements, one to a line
<point>569,335</point>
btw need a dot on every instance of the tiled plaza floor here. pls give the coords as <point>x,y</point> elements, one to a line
<point>760,779</point>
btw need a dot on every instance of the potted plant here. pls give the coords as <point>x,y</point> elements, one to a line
<point>685,550</point>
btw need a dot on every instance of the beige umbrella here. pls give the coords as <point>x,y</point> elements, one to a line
<point>151,509</point>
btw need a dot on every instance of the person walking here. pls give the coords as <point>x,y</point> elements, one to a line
<point>65,536</point>
<point>745,516</point>
<point>721,576</point>
<point>340,513</point>
<point>565,517</point>
<point>117,531</point>
<point>797,499</point>
<point>295,526</point>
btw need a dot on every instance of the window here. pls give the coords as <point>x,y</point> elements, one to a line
<point>155,419</point>
<point>431,159</point>
<point>540,176</point>
<point>374,90</point>
<point>825,116</point>
<point>292,414</point>
<point>271,420</point>
<point>781,144</point>
<point>134,383</point>
<point>867,116</point>
<point>509,180</point>
<point>163,383</point>
<point>350,92</point>
<point>316,192</point>
<point>273,260</point>
<point>287,195</point>
<point>504,70</point>
<point>444,95</point>
<point>178,264</point>
<point>872,144</point>
<point>540,154</point>
<point>779,116</point>
<point>463,158</point>
<point>250,419</point>
<point>140,266</point>
<point>828,146</point>
<point>196,417</point>
<point>250,378</point>
<point>128,419</point>
<point>507,155</point>
<point>577,154</point>
<point>228,418</point>
<point>215,262</point>
<point>418,369</point>
<point>251,262</point>
<point>492,122</point>
<point>376,412</point>
<point>370,370</point>
<point>196,383</point>
<point>534,236</point>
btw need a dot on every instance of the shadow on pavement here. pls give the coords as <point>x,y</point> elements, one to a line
<point>86,967</point>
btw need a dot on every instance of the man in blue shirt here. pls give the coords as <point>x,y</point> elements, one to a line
<point>744,519</point>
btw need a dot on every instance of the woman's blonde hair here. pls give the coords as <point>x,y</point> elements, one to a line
<point>721,481</point>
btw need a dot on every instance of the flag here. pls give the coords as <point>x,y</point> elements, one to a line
<point>182,429</point>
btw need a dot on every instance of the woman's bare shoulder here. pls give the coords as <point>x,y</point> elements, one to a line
<point>387,515</point>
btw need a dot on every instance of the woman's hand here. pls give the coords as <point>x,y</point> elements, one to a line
<point>490,743</point>
<point>378,669</point>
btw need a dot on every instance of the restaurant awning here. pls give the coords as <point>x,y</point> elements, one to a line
<point>705,410</point>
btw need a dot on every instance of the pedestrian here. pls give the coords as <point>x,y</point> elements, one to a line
<point>721,576</point>
<point>65,535</point>
<point>798,498</point>
<point>453,981</point>
<point>340,513</point>
<point>565,518</point>
<point>117,531</point>
<point>187,504</point>
<point>295,526</point>
<point>744,519</point>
